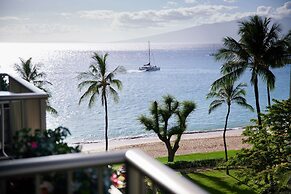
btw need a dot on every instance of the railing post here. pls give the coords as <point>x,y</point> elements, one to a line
<point>3,186</point>
<point>134,180</point>
<point>70,182</point>
<point>37,183</point>
<point>100,180</point>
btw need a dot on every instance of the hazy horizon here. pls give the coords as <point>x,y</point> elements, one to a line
<point>111,21</point>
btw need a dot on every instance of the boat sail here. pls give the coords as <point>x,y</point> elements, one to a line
<point>148,66</point>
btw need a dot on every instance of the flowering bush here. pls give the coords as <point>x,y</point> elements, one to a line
<point>41,143</point>
<point>118,178</point>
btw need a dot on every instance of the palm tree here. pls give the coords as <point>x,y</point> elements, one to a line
<point>100,83</point>
<point>288,40</point>
<point>228,93</point>
<point>257,50</point>
<point>32,74</point>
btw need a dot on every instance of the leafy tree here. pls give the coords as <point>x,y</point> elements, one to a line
<point>160,121</point>
<point>228,93</point>
<point>258,49</point>
<point>99,82</point>
<point>32,74</point>
<point>267,164</point>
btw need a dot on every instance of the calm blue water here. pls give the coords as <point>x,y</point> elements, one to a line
<point>187,72</point>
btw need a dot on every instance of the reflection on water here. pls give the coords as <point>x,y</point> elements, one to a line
<point>186,72</point>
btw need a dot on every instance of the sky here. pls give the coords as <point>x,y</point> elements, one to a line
<point>116,20</point>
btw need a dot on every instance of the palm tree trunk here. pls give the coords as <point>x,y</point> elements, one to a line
<point>224,139</point>
<point>290,84</point>
<point>106,123</point>
<point>269,96</point>
<point>256,90</point>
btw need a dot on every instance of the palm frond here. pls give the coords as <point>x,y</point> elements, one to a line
<point>214,105</point>
<point>114,94</point>
<point>242,102</point>
<point>231,76</point>
<point>116,83</point>
<point>51,110</point>
<point>94,88</point>
<point>86,83</point>
<point>92,98</point>
<point>118,69</point>
<point>267,75</point>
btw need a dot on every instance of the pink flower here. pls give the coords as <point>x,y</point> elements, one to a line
<point>33,145</point>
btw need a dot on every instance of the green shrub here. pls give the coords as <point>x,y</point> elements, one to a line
<point>41,143</point>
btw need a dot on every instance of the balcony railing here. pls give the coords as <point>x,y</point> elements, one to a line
<point>143,173</point>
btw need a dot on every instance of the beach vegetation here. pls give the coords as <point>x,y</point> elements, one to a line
<point>258,49</point>
<point>267,164</point>
<point>227,93</point>
<point>32,73</point>
<point>167,120</point>
<point>99,82</point>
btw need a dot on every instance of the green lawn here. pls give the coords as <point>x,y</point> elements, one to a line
<point>199,156</point>
<point>217,182</point>
<point>213,181</point>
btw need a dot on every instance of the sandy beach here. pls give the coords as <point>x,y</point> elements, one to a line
<point>190,143</point>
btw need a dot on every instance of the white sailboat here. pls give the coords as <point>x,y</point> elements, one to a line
<point>148,66</point>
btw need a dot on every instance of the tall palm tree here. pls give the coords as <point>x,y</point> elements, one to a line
<point>31,73</point>
<point>257,50</point>
<point>99,82</point>
<point>288,40</point>
<point>227,93</point>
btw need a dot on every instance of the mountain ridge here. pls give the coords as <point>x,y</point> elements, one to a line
<point>204,34</point>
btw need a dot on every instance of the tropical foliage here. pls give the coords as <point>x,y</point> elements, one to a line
<point>162,121</point>
<point>98,81</point>
<point>258,49</point>
<point>31,73</point>
<point>27,144</point>
<point>228,94</point>
<point>267,164</point>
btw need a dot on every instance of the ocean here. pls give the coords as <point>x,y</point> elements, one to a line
<point>187,72</point>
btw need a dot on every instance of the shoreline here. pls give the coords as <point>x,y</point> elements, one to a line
<point>209,131</point>
<point>201,141</point>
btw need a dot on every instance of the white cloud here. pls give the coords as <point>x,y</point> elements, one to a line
<point>278,13</point>
<point>190,1</point>
<point>36,29</point>
<point>284,11</point>
<point>97,14</point>
<point>171,4</point>
<point>12,18</point>
<point>230,1</point>
<point>263,10</point>
<point>154,18</point>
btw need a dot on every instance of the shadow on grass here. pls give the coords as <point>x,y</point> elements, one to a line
<point>218,186</point>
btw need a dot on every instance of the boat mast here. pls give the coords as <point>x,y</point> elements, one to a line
<point>149,52</point>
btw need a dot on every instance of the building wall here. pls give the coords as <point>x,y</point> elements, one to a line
<point>26,113</point>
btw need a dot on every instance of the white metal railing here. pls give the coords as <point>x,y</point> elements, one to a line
<point>143,173</point>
